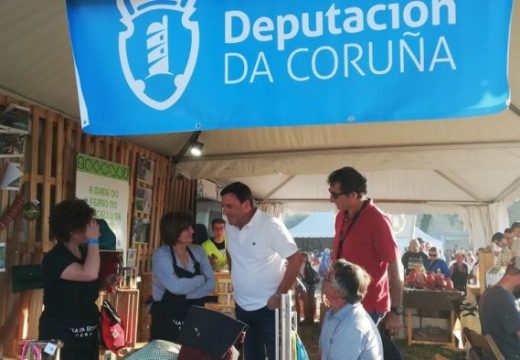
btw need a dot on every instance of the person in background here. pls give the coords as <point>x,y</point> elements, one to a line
<point>413,258</point>
<point>474,273</point>
<point>70,277</point>
<point>182,276</point>
<point>421,245</point>
<point>435,264</point>
<point>310,279</point>
<point>501,249</point>
<point>200,234</point>
<point>499,316</point>
<point>427,247</point>
<point>264,264</point>
<point>364,236</point>
<point>215,247</point>
<point>509,235</point>
<point>324,262</point>
<point>514,244</point>
<point>470,260</point>
<point>459,272</point>
<point>347,331</point>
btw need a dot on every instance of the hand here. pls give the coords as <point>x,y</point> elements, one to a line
<point>92,231</point>
<point>273,302</point>
<point>393,323</point>
<point>213,261</point>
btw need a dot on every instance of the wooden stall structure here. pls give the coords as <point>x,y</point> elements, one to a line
<point>432,302</point>
<point>49,176</point>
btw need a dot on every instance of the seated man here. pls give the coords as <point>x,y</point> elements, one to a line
<point>215,247</point>
<point>499,316</point>
<point>348,331</point>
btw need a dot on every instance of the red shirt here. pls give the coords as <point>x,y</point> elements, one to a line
<point>370,244</point>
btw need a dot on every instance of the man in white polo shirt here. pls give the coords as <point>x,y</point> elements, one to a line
<point>258,245</point>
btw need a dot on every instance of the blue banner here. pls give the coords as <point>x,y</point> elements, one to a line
<point>155,66</point>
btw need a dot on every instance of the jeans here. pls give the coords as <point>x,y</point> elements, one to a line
<point>376,317</point>
<point>390,349</point>
<point>260,336</point>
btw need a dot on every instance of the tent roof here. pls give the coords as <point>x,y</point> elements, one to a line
<point>465,161</point>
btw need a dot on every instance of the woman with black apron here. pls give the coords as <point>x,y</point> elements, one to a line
<point>459,272</point>
<point>70,276</point>
<point>182,277</point>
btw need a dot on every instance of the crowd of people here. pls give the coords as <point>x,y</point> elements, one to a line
<point>421,257</point>
<point>360,278</point>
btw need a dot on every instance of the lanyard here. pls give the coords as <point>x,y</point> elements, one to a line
<point>343,235</point>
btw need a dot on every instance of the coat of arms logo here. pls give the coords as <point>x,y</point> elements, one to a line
<point>158,49</point>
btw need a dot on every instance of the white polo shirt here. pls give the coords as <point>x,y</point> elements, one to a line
<point>258,252</point>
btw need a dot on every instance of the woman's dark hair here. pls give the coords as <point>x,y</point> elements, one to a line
<point>241,191</point>
<point>172,224</point>
<point>200,234</point>
<point>350,180</point>
<point>69,216</point>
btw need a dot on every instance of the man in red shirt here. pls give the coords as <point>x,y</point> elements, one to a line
<point>364,237</point>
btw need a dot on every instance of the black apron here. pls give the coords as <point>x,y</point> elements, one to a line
<point>79,331</point>
<point>74,319</point>
<point>168,314</point>
<point>460,277</point>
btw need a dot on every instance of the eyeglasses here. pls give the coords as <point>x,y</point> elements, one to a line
<point>336,195</point>
<point>433,255</point>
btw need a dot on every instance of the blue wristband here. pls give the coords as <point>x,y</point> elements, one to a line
<point>93,242</point>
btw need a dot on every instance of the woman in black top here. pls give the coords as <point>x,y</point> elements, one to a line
<point>413,258</point>
<point>70,275</point>
<point>459,272</point>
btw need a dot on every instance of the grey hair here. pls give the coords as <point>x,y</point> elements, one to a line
<point>351,280</point>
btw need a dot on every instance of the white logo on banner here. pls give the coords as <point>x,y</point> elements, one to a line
<point>147,59</point>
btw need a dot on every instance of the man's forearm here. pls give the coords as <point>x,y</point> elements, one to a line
<point>396,285</point>
<point>294,262</point>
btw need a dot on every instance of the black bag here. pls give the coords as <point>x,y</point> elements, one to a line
<point>310,276</point>
<point>27,277</point>
<point>210,331</point>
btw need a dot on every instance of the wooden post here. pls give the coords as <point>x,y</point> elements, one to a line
<point>485,262</point>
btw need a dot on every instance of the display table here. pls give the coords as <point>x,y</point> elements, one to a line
<point>434,301</point>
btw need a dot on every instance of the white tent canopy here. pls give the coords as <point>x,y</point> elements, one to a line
<point>318,224</point>
<point>468,166</point>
